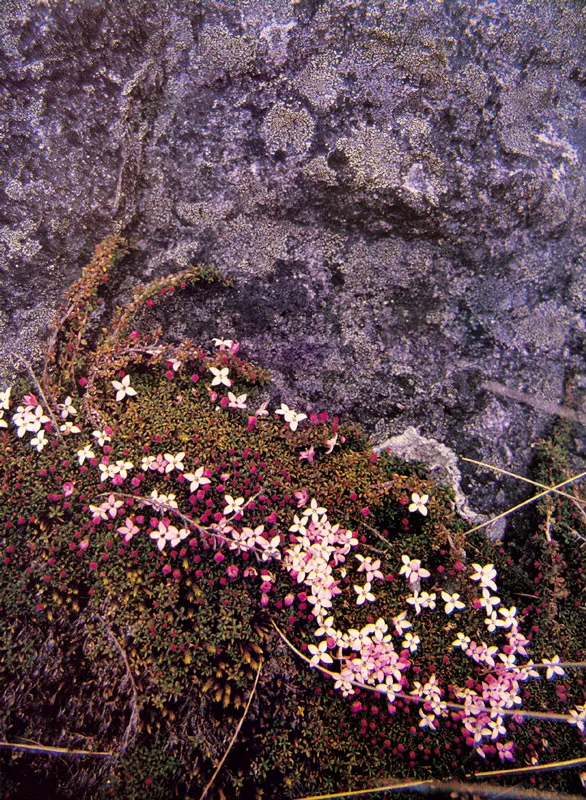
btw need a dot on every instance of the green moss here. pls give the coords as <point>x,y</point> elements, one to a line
<point>150,655</point>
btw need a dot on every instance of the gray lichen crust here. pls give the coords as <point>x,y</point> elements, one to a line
<point>397,189</point>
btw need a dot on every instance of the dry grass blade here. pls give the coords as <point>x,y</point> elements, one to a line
<point>518,477</point>
<point>233,739</point>
<point>526,502</point>
<point>54,751</point>
<point>396,786</point>
<point>454,789</point>
<point>573,762</point>
<point>131,731</point>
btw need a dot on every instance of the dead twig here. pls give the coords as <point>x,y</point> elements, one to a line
<point>233,739</point>
<point>29,369</point>
<point>535,402</point>
<point>132,728</point>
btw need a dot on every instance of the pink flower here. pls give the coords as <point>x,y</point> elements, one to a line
<point>232,571</point>
<point>307,455</point>
<point>67,489</point>
<point>505,751</point>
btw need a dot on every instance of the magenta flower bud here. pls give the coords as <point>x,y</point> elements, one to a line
<point>166,569</point>
<point>218,558</point>
<point>288,600</point>
<point>264,599</point>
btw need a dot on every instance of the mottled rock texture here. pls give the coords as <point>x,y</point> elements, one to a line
<point>396,189</point>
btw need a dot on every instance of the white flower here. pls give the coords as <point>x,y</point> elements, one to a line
<point>453,602</point>
<point>411,642</point>
<point>326,628</point>
<point>270,549</point>
<point>372,568</point>
<point>412,569</point>
<point>508,617</point>
<point>319,654</point>
<point>364,594</point>
<point>418,503</point>
<point>290,416</point>
<point>67,409</point>
<point>39,441</point>
<point>232,506</point>
<point>101,437</point>
<point>168,533</point>
<point>401,624</point>
<point>492,622</point>
<point>163,501</point>
<point>174,462</point>
<point>123,389</point>
<point>462,641</point>
<point>223,344</point>
<point>314,511</point>
<point>299,525</point>
<point>427,720</point>
<point>35,419</point>
<point>196,479</point>
<point>220,376</point>
<point>5,399</point>
<point>237,402</point>
<point>485,575</point>
<point>578,715</point>
<point>423,600</point>
<point>489,602</point>
<point>69,427</point>
<point>553,667</point>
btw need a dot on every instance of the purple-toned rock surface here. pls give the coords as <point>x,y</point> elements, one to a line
<point>396,189</point>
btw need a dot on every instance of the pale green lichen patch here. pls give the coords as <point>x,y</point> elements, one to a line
<point>287,128</point>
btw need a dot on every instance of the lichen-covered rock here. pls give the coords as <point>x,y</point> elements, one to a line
<point>396,189</point>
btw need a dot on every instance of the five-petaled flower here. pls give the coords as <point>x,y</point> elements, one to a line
<point>419,503</point>
<point>123,388</point>
<point>220,376</point>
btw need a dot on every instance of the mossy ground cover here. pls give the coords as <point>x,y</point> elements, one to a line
<point>179,559</point>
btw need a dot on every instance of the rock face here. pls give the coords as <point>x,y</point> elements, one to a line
<point>396,189</point>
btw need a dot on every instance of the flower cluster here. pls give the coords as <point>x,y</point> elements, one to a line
<point>30,418</point>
